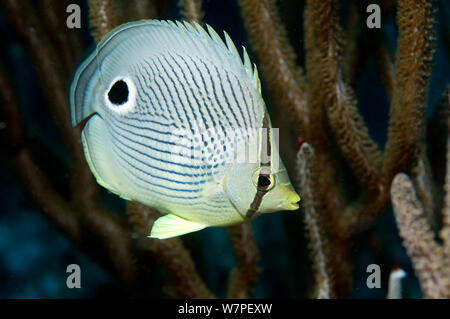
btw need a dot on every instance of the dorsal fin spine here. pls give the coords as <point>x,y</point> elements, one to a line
<point>180,25</point>
<point>247,63</point>
<point>189,26</point>
<point>256,78</point>
<point>215,37</point>
<point>231,46</point>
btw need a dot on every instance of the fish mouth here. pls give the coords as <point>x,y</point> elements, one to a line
<point>292,199</point>
<point>290,206</point>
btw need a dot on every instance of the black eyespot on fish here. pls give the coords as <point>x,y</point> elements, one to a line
<point>118,93</point>
<point>263,181</point>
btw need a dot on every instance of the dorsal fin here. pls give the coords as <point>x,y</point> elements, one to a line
<point>196,28</point>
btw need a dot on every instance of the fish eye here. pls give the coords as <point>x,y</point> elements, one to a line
<point>264,181</point>
<point>120,95</point>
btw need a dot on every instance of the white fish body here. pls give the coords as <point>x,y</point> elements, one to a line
<point>168,109</point>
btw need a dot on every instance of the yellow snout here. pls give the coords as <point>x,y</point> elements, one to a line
<point>290,198</point>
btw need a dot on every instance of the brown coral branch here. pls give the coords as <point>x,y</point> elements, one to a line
<point>412,70</point>
<point>276,58</point>
<point>331,104</point>
<point>318,244</point>
<point>143,9</point>
<point>191,10</point>
<point>102,17</point>
<point>244,276</point>
<point>317,128</point>
<point>357,147</point>
<point>131,10</point>
<point>37,183</point>
<point>185,280</point>
<point>407,118</point>
<point>430,259</point>
<point>317,133</point>
<point>418,238</point>
<point>361,153</point>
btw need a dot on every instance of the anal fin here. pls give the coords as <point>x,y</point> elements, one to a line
<point>170,225</point>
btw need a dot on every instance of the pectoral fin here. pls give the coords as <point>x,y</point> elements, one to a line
<point>171,226</point>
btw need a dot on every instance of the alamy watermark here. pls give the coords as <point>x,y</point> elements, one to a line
<point>74,279</point>
<point>230,145</point>
<point>374,279</point>
<point>73,20</point>
<point>374,19</point>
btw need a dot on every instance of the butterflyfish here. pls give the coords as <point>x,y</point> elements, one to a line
<point>173,117</point>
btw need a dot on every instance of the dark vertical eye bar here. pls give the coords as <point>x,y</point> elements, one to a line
<point>265,154</point>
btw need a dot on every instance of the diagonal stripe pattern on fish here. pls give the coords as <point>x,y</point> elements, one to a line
<point>173,118</point>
